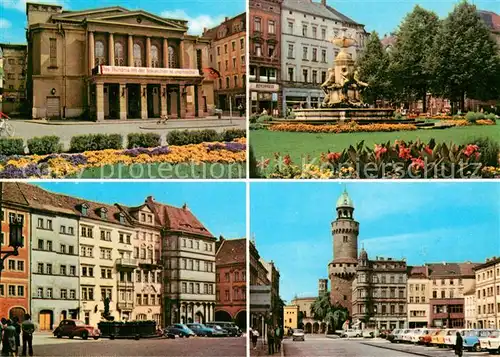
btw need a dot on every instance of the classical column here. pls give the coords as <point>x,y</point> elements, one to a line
<point>199,99</point>
<point>165,53</point>
<point>205,313</point>
<point>182,101</point>
<point>181,55</point>
<point>91,51</point>
<point>144,101</point>
<point>148,51</point>
<point>100,101</point>
<point>123,101</point>
<point>111,49</point>
<point>130,50</point>
<point>163,100</point>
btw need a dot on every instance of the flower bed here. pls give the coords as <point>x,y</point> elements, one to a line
<point>398,160</point>
<point>464,122</point>
<point>351,127</point>
<point>61,165</point>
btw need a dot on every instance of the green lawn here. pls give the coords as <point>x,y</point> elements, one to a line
<point>266,143</point>
<point>166,171</point>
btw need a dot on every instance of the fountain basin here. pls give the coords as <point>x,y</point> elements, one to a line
<point>340,115</point>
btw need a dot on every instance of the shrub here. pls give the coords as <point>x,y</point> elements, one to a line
<point>231,134</point>
<point>480,116</point>
<point>94,142</point>
<point>254,169</point>
<point>491,116</point>
<point>264,119</point>
<point>186,137</point>
<point>143,140</point>
<point>256,126</point>
<point>11,146</point>
<point>398,116</point>
<point>44,145</point>
<point>471,117</point>
<point>489,150</point>
<point>254,117</point>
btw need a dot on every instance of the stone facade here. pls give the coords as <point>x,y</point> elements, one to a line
<point>227,55</point>
<point>470,312</point>
<point>113,63</point>
<point>488,293</point>
<point>418,289</point>
<point>307,50</point>
<point>290,317</point>
<point>265,56</point>
<point>12,78</point>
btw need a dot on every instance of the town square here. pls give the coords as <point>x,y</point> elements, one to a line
<point>79,84</point>
<point>337,86</point>
<point>87,271</point>
<point>376,269</point>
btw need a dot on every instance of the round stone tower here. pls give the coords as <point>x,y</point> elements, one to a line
<point>342,269</point>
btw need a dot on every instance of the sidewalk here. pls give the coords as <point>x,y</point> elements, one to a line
<point>127,121</point>
<point>262,349</point>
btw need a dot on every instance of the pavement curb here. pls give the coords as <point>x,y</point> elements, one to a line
<point>117,121</point>
<point>189,127</point>
<point>397,350</point>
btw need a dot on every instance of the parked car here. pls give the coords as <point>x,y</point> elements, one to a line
<point>400,337</point>
<point>392,335</point>
<point>417,333</point>
<point>384,334</point>
<point>426,338</point>
<point>369,333</point>
<point>200,329</point>
<point>352,333</point>
<point>72,328</point>
<point>407,335</point>
<point>451,335</point>
<point>230,327</point>
<point>483,340</point>
<point>471,339</point>
<point>298,335</point>
<point>218,331</point>
<point>438,339</point>
<point>494,342</point>
<point>180,330</point>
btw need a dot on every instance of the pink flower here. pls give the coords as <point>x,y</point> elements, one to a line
<point>428,150</point>
<point>333,156</point>
<point>264,163</point>
<point>379,150</point>
<point>417,163</point>
<point>470,149</point>
<point>404,153</point>
<point>287,160</point>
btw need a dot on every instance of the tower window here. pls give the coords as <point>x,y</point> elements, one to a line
<point>346,239</point>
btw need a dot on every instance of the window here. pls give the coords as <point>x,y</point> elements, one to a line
<point>99,53</point>
<point>304,53</point>
<point>443,294</point>
<point>62,269</point>
<point>270,49</point>
<point>242,43</point>
<point>271,27</point>
<point>87,293</point>
<point>155,56</point>
<point>39,293</point>
<point>119,54</point>
<point>290,51</point>
<point>257,24</point>
<point>49,293</point>
<point>72,270</point>
<point>323,34</point>
<point>40,223</point>
<point>315,77</point>
<point>53,52</point>
<point>323,56</point>
<point>315,31</point>
<point>290,74</point>
<point>49,245</point>
<point>258,49</point>
<point>106,236</point>
<point>87,232</point>
<point>304,75</point>
<point>227,82</point>
<point>48,269</point>
<point>304,30</point>
<point>137,53</point>
<point>323,77</point>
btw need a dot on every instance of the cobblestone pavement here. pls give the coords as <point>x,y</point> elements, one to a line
<point>197,346</point>
<point>28,129</point>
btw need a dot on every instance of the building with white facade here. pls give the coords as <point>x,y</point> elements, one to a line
<point>307,53</point>
<point>488,293</point>
<point>470,308</point>
<point>418,288</point>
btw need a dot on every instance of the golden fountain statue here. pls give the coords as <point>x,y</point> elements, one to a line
<point>343,87</point>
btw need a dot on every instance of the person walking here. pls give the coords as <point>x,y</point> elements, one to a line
<point>3,325</point>
<point>459,345</point>
<point>9,339</point>
<point>241,108</point>
<point>17,326</point>
<point>277,339</point>
<point>28,328</point>
<point>255,337</point>
<point>270,340</point>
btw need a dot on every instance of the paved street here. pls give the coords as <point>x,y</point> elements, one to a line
<point>359,347</point>
<point>46,345</point>
<point>27,129</point>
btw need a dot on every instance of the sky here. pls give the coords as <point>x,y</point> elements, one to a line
<point>199,13</point>
<point>208,201</point>
<point>421,222</point>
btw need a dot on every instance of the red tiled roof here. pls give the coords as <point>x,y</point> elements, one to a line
<point>451,269</point>
<point>418,271</point>
<point>177,219</point>
<point>491,19</point>
<point>232,251</point>
<point>11,192</point>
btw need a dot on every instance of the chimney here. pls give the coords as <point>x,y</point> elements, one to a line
<point>204,29</point>
<point>150,199</point>
<point>226,18</point>
<point>185,207</point>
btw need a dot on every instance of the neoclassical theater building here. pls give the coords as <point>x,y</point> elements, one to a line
<point>114,63</point>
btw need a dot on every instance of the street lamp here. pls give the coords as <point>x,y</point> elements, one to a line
<point>16,224</point>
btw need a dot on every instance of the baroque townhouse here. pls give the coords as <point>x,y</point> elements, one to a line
<point>418,288</point>
<point>488,293</point>
<point>189,265</point>
<point>142,276</point>
<point>14,286</point>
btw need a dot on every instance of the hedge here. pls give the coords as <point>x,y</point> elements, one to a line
<point>231,134</point>
<point>92,142</point>
<point>143,140</point>
<point>11,146</point>
<point>44,145</point>
<point>186,137</point>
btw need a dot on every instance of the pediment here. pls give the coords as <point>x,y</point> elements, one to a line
<point>90,14</point>
<point>143,18</point>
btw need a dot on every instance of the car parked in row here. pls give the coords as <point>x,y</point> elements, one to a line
<point>201,330</point>
<point>72,328</point>
<point>493,342</point>
<point>232,329</point>
<point>471,339</point>
<point>352,333</point>
<point>179,330</point>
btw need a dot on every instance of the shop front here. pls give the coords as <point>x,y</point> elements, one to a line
<point>295,98</point>
<point>264,96</point>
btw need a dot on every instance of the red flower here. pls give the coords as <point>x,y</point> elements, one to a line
<point>404,153</point>
<point>471,149</point>
<point>333,156</point>
<point>287,160</point>
<point>428,150</point>
<point>417,163</point>
<point>379,150</point>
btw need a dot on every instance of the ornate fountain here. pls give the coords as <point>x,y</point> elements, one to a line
<point>343,92</point>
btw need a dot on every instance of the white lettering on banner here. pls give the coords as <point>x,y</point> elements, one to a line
<point>265,87</point>
<point>149,71</point>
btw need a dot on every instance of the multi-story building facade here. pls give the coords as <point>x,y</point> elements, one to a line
<point>188,250</point>
<point>13,78</point>
<point>265,56</point>
<point>488,293</point>
<point>112,63</point>
<point>273,275</point>
<point>379,293</point>
<point>14,286</point>
<point>470,308</point>
<point>290,317</point>
<point>231,284</point>
<point>260,285</point>
<point>418,289</point>
<point>227,54</point>
<point>342,270</point>
<point>307,51</point>
<point>449,281</point>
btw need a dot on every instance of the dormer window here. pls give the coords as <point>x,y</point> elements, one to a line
<point>85,208</point>
<point>143,217</point>
<point>103,212</point>
<point>122,218</point>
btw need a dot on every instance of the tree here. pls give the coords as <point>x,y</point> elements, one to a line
<point>465,59</point>
<point>372,67</point>
<point>409,72</point>
<point>323,310</point>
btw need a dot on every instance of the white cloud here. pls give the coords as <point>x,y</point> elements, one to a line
<point>5,24</point>
<point>21,4</point>
<point>196,24</point>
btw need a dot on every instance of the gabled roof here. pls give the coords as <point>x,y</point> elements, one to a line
<point>12,193</point>
<point>231,251</point>
<point>177,219</point>
<point>317,9</point>
<point>458,270</point>
<point>491,19</point>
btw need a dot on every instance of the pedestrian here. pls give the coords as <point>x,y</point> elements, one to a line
<point>28,328</point>
<point>277,338</point>
<point>459,345</point>
<point>241,109</point>
<point>9,339</point>
<point>255,337</point>
<point>270,340</point>
<point>3,325</point>
<point>17,326</point>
